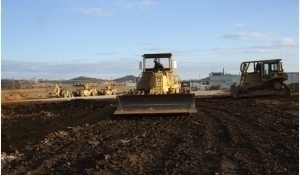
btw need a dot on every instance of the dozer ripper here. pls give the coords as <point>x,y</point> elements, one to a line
<point>158,90</point>
<point>266,78</point>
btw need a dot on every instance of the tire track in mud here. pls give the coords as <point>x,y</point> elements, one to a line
<point>219,135</point>
<point>257,136</point>
<point>239,140</point>
<point>259,119</point>
<point>263,119</point>
<point>263,112</point>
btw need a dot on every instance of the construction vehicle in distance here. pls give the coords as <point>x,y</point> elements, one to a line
<point>58,92</point>
<point>83,90</point>
<point>266,78</point>
<point>213,87</point>
<point>110,90</point>
<point>185,88</point>
<point>157,90</point>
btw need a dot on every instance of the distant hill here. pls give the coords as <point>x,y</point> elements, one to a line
<point>126,78</point>
<point>82,78</point>
<point>89,79</point>
<point>131,78</point>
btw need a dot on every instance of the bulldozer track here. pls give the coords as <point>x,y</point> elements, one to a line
<point>244,134</point>
<point>257,135</point>
<point>258,119</point>
<point>269,84</point>
<point>223,137</point>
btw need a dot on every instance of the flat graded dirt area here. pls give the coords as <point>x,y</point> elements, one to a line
<point>227,136</point>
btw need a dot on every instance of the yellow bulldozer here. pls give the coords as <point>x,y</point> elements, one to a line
<point>258,78</point>
<point>110,90</point>
<point>186,88</point>
<point>84,90</point>
<point>58,92</point>
<point>158,89</point>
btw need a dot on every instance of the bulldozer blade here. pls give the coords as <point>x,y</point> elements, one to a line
<point>156,104</point>
<point>234,91</point>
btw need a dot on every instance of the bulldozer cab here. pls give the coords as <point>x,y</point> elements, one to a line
<point>158,81</point>
<point>262,71</point>
<point>273,69</point>
<point>147,65</point>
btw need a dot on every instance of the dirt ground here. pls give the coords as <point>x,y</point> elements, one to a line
<point>227,136</point>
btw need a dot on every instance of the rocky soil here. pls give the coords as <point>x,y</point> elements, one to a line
<point>227,136</point>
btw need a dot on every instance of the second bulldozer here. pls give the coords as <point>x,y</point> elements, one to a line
<point>258,78</point>
<point>110,90</point>
<point>158,90</point>
<point>60,92</point>
<point>84,90</point>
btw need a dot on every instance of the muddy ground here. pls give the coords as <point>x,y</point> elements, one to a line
<point>227,136</point>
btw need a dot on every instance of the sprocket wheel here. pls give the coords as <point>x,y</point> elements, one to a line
<point>277,86</point>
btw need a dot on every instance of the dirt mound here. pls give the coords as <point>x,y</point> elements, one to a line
<point>14,96</point>
<point>241,136</point>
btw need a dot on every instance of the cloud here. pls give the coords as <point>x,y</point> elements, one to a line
<point>93,11</point>
<point>270,40</point>
<point>237,24</point>
<point>256,49</point>
<point>175,52</point>
<point>285,42</point>
<point>223,50</point>
<point>278,43</point>
<point>237,50</point>
<point>71,69</point>
<point>245,36</point>
<point>144,3</point>
<point>130,4</point>
<point>243,50</point>
<point>265,43</point>
<point>108,53</point>
<point>187,68</point>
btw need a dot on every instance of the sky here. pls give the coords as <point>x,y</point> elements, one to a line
<point>64,39</point>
